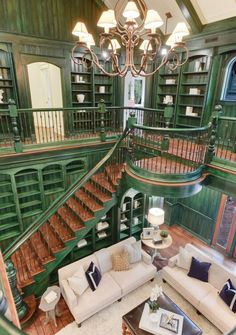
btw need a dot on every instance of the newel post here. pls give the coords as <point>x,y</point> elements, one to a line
<point>212,140</point>
<point>132,119</point>
<point>15,130</point>
<point>102,111</point>
<point>21,306</point>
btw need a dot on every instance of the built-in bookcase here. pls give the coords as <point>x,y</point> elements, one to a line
<point>89,85</point>
<point>193,91</point>
<point>132,214</point>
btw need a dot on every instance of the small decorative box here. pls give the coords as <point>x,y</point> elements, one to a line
<point>170,81</point>
<point>194,91</point>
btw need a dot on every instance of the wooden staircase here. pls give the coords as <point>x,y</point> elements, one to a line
<point>48,246</point>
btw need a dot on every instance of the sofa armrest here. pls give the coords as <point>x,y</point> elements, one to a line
<point>173,261</point>
<point>68,294</point>
<point>146,257</point>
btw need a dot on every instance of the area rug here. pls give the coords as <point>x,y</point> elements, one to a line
<point>108,321</point>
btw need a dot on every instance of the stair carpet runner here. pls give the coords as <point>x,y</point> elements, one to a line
<point>40,248</point>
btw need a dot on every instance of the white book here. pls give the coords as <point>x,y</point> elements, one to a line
<point>82,243</point>
<point>123,227</point>
<point>50,297</point>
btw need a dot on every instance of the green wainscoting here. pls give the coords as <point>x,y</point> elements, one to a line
<point>197,213</point>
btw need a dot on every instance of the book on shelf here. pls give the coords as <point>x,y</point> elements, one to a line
<point>82,243</point>
<point>123,227</point>
<point>102,234</point>
<point>102,225</point>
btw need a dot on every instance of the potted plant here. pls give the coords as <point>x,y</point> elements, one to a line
<point>164,233</point>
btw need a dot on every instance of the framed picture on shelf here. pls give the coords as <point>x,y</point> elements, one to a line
<point>148,233</point>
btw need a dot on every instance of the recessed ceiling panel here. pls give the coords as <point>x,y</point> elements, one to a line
<point>214,10</point>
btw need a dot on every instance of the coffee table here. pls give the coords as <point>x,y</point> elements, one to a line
<point>130,321</point>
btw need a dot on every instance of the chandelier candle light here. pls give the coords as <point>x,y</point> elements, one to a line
<point>133,35</point>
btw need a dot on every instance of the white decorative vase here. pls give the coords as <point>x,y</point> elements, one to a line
<point>101,89</point>
<point>80,97</point>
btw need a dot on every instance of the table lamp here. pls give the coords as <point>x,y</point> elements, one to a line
<point>155,217</point>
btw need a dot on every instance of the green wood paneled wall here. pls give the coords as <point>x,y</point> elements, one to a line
<point>197,214</point>
<point>53,19</point>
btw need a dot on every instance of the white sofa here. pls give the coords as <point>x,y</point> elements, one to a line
<point>112,287</point>
<point>203,296</point>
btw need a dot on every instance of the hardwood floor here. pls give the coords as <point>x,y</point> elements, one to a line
<point>180,238</point>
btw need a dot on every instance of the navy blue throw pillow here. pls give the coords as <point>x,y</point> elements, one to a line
<point>93,276</point>
<point>199,270</point>
<point>228,294</point>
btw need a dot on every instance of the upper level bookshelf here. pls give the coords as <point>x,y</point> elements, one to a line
<point>192,91</point>
<point>88,84</point>
<point>7,77</point>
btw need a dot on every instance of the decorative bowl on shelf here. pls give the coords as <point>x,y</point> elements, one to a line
<point>164,233</point>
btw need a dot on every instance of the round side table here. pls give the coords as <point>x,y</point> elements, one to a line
<point>166,242</point>
<point>51,308</point>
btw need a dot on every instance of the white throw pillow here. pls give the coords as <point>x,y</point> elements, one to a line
<point>78,282</point>
<point>104,260</point>
<point>184,259</point>
<point>134,251</point>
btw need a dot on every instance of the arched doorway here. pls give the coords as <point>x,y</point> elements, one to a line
<point>46,92</point>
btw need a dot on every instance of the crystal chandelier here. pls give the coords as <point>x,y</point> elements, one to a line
<point>132,26</point>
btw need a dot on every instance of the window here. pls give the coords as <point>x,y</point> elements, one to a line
<point>229,87</point>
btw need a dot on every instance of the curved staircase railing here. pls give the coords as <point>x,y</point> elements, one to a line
<point>167,153</point>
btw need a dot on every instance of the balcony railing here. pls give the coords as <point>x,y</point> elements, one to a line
<point>24,129</point>
<point>166,151</point>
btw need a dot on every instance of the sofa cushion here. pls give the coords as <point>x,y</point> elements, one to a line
<point>199,270</point>
<point>78,282</point>
<point>91,302</point>
<point>138,274</point>
<point>104,260</point>
<point>228,295</point>
<point>134,251</point>
<point>120,261</point>
<point>184,259</point>
<point>178,278</point>
<point>93,276</point>
<point>215,309</point>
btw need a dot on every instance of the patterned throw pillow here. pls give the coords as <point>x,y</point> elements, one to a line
<point>228,294</point>
<point>120,261</point>
<point>134,251</point>
<point>93,276</point>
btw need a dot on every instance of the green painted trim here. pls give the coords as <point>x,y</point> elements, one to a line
<point>179,190</point>
<point>190,15</point>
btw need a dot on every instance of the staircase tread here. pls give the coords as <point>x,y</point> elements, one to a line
<point>31,259</point>
<point>82,212</point>
<point>90,202</point>
<point>51,238</point>
<point>24,277</point>
<point>62,229</point>
<point>70,218</point>
<point>91,188</point>
<point>43,251</point>
<point>101,179</point>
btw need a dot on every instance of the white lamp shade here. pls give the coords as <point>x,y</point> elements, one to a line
<point>178,33</point>
<point>80,30</point>
<point>144,45</point>
<point>114,44</point>
<point>153,20</point>
<point>156,216</point>
<point>88,40</point>
<point>131,10</point>
<point>107,19</point>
